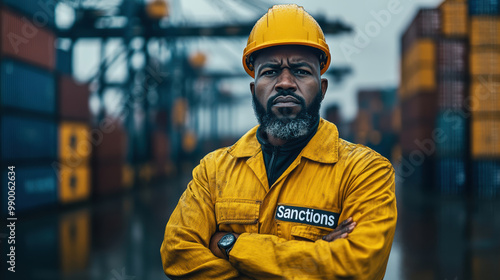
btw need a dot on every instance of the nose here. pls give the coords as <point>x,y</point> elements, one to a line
<point>286,81</point>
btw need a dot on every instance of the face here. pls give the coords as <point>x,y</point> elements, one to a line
<point>287,90</point>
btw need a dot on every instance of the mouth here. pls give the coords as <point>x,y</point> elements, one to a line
<point>285,101</point>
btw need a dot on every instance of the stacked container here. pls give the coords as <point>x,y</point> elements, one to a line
<point>452,116</point>
<point>109,142</point>
<point>28,104</point>
<point>484,96</point>
<point>417,92</point>
<point>372,126</point>
<point>433,94</point>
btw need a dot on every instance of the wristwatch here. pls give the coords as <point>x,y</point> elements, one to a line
<point>226,243</point>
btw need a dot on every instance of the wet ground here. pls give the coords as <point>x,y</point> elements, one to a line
<point>119,238</point>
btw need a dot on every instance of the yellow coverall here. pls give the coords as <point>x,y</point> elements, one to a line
<point>230,192</point>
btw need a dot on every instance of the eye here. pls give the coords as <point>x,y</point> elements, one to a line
<point>269,72</point>
<point>302,72</point>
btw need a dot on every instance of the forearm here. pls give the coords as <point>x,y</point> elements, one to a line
<point>269,257</point>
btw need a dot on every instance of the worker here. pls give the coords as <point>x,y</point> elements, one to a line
<point>290,199</point>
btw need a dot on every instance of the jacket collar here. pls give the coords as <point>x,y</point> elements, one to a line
<point>323,147</point>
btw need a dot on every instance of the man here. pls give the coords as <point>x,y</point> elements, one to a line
<point>269,206</point>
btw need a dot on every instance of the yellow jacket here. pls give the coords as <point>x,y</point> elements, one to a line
<point>230,192</point>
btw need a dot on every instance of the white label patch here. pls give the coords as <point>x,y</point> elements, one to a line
<point>308,216</point>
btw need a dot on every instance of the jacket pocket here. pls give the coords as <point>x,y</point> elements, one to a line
<point>237,211</point>
<point>309,233</point>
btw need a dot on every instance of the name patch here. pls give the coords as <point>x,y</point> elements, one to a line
<point>308,216</point>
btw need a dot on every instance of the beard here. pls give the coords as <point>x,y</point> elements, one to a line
<point>287,128</point>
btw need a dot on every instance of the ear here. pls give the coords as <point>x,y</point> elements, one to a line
<point>252,88</point>
<point>324,87</point>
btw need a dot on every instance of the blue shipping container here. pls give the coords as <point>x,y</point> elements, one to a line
<point>486,178</point>
<point>484,7</point>
<point>451,127</point>
<point>41,12</point>
<point>450,175</point>
<point>27,87</point>
<point>28,138</point>
<point>34,187</point>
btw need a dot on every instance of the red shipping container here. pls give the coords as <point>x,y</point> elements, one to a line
<point>109,141</point>
<point>107,177</point>
<point>427,23</point>
<point>73,99</point>
<point>417,138</point>
<point>419,108</point>
<point>24,40</point>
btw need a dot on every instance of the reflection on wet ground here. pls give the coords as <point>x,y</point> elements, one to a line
<point>119,238</point>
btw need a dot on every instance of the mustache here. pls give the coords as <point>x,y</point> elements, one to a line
<point>285,92</point>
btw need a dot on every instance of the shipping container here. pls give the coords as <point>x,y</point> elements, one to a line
<point>419,108</point>
<point>27,87</point>
<point>74,184</point>
<point>74,142</point>
<point>109,141</point>
<point>26,138</point>
<point>451,126</point>
<point>73,99</point>
<point>485,61</point>
<point>422,54</point>
<point>35,187</point>
<point>23,40</point>
<point>450,175</point>
<point>452,57</point>
<point>427,23</point>
<point>64,62</point>
<point>333,115</point>
<point>485,137</point>
<point>483,7</point>
<point>486,178</point>
<point>452,94</point>
<point>485,94</point>
<point>484,30</point>
<point>414,139</point>
<point>454,18</point>
<point>74,242</point>
<point>107,177</point>
<point>40,12</point>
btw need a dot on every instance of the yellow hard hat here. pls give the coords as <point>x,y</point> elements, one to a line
<point>286,25</point>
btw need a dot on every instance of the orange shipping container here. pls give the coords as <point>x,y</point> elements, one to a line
<point>485,138</point>
<point>485,94</point>
<point>75,184</point>
<point>74,143</point>
<point>24,40</point>
<point>484,62</point>
<point>423,80</point>
<point>421,54</point>
<point>484,30</point>
<point>454,18</point>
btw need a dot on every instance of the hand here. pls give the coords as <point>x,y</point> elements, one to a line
<point>341,231</point>
<point>213,244</point>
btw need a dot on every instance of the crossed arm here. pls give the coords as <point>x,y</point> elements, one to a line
<point>341,231</point>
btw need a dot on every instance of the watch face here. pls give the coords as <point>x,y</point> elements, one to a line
<point>226,240</point>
